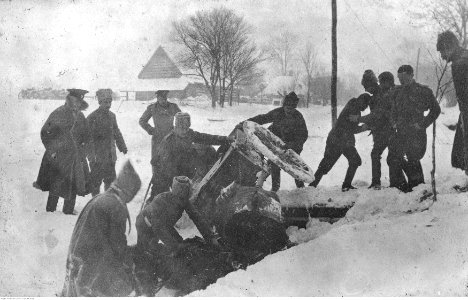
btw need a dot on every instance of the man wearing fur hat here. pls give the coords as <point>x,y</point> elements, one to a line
<point>156,223</point>
<point>99,262</point>
<point>289,125</point>
<point>408,144</point>
<point>104,135</point>
<point>450,50</point>
<point>64,170</point>
<point>176,154</point>
<point>341,140</point>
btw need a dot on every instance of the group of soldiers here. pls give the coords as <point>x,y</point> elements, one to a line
<point>71,141</point>
<point>99,261</point>
<point>398,121</point>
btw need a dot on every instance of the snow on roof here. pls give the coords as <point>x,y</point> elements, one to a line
<point>160,66</point>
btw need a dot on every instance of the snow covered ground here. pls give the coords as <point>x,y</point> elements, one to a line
<point>389,243</point>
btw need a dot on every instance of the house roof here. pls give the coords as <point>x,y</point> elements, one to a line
<point>160,66</point>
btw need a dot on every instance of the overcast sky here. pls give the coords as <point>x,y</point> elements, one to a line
<point>105,43</point>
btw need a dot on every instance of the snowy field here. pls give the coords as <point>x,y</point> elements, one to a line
<point>389,243</point>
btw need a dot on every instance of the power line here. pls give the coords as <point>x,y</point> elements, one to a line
<point>369,33</point>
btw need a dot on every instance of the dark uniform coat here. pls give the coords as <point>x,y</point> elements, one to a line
<point>163,120</point>
<point>291,130</point>
<point>409,104</point>
<point>341,141</point>
<point>379,122</point>
<point>408,107</point>
<point>99,262</point>
<point>342,134</point>
<point>460,81</point>
<point>158,218</point>
<point>408,145</point>
<point>379,119</point>
<point>176,156</point>
<point>64,170</point>
<point>104,135</point>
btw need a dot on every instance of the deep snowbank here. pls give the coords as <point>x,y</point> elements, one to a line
<point>379,249</point>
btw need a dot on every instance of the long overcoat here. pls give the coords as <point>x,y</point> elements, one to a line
<point>64,170</point>
<point>460,81</point>
<point>99,261</point>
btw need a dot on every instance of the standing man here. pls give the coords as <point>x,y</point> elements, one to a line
<point>289,125</point>
<point>410,101</point>
<point>64,170</point>
<point>341,140</point>
<point>176,155</point>
<point>99,262</point>
<point>450,50</point>
<point>379,123</point>
<point>104,135</point>
<point>163,113</point>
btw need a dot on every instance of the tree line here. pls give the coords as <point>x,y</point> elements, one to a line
<point>218,47</point>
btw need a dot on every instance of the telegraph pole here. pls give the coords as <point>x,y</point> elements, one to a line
<point>334,64</point>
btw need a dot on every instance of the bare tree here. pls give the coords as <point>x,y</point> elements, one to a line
<point>239,58</point>
<point>217,47</point>
<point>447,15</point>
<point>281,49</point>
<point>451,15</point>
<point>309,62</point>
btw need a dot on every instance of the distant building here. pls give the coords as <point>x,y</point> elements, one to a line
<point>159,73</point>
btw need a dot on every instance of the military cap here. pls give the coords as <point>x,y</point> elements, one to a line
<point>446,40</point>
<point>291,99</point>
<point>79,94</point>
<point>405,69</point>
<point>162,92</point>
<point>102,94</point>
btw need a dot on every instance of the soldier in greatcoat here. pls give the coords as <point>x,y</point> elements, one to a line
<point>99,262</point>
<point>104,136</point>
<point>64,170</point>
<point>162,112</point>
<point>451,51</point>
<point>408,144</point>
<point>177,156</point>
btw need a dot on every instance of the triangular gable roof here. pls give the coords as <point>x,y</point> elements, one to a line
<point>160,66</point>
